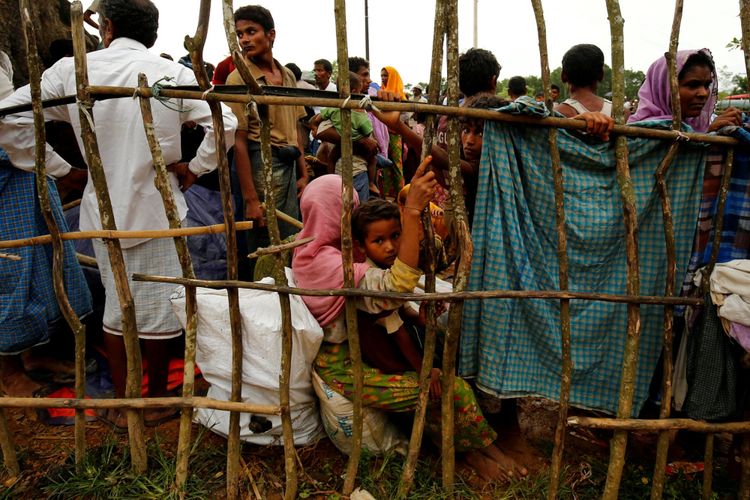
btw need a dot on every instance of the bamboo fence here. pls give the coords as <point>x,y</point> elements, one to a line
<point>445,33</point>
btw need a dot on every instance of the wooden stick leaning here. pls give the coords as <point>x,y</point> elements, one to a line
<point>96,173</point>
<point>618,443</point>
<point>58,248</point>
<point>272,250</point>
<point>662,445</point>
<point>708,467</point>
<point>121,235</point>
<point>460,231</point>
<point>347,197</point>
<point>233,439</point>
<point>139,404</point>
<point>10,459</point>
<point>10,256</point>
<point>164,186</point>
<point>566,373</point>
<point>417,431</point>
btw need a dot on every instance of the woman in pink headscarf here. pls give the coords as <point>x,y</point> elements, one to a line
<point>318,265</point>
<point>696,76</point>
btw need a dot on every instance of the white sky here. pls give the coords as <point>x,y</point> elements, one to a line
<point>401,31</point>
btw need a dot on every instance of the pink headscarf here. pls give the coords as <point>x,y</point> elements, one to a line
<point>318,264</point>
<point>654,97</point>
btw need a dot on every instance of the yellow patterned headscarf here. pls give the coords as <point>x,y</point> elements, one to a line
<point>395,84</point>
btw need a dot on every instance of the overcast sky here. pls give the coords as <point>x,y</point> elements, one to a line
<point>401,31</point>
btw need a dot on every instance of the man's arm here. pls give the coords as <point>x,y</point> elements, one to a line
<point>253,210</point>
<point>302,176</point>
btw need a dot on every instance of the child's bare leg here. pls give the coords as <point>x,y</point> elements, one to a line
<point>157,357</point>
<point>372,174</point>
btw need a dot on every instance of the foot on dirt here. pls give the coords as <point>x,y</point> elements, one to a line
<point>19,385</point>
<point>157,416</point>
<point>505,462</point>
<point>487,468</point>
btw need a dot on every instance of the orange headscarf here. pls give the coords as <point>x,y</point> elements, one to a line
<point>395,84</point>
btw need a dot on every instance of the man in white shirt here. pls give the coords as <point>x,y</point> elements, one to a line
<point>128,29</point>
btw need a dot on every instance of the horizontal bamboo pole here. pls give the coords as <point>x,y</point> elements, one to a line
<point>72,204</point>
<point>280,248</point>
<point>86,260</point>
<point>443,296</point>
<point>565,123</point>
<point>106,234</point>
<point>658,425</point>
<point>9,256</point>
<point>139,404</point>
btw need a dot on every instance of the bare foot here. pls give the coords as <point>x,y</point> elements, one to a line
<point>505,462</point>
<point>484,466</point>
<point>374,189</point>
<point>19,385</point>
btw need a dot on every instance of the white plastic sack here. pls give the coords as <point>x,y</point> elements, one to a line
<point>261,353</point>
<point>379,435</point>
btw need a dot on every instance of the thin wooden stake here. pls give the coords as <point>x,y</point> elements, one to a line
<point>10,460</point>
<point>96,171</point>
<point>562,259</point>
<point>708,467</point>
<point>662,445</point>
<point>630,216</point>
<point>415,441</point>
<point>658,425</point>
<point>58,249</point>
<point>164,186</point>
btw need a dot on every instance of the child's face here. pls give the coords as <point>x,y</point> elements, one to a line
<point>471,141</point>
<point>382,241</point>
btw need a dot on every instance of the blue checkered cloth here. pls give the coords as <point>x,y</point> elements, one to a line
<point>27,298</point>
<point>512,347</point>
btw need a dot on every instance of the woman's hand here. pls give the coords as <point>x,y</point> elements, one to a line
<point>422,187</point>
<point>729,117</point>
<point>597,124</point>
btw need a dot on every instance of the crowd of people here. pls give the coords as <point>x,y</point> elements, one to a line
<point>392,188</point>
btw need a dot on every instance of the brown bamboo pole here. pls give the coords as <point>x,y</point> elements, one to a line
<point>164,187</point>
<point>630,216</point>
<point>443,297</point>
<point>744,493</point>
<point>10,460</point>
<point>96,173</point>
<point>195,46</point>
<point>460,229</point>
<point>139,404</point>
<point>347,197</point>
<point>428,355</point>
<point>662,446</point>
<point>658,425</point>
<point>121,235</point>
<point>72,204</point>
<point>718,222</point>
<point>708,467</point>
<point>562,259</point>
<point>285,218</point>
<point>565,123</point>
<point>10,256</point>
<point>58,250</point>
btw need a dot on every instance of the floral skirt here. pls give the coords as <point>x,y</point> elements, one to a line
<point>400,393</point>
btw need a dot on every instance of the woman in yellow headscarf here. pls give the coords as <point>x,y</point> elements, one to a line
<point>393,178</point>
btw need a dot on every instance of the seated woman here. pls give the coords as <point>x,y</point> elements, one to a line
<point>582,70</point>
<point>319,265</point>
<point>696,76</point>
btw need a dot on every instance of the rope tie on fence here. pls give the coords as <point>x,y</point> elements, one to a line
<point>251,108</point>
<point>156,89</point>
<point>208,90</point>
<point>681,137</point>
<point>86,110</point>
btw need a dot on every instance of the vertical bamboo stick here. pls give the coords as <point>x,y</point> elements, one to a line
<point>662,446</point>
<point>630,216</point>
<point>347,195</point>
<point>195,46</point>
<point>415,441</point>
<point>744,493</point>
<point>460,229</point>
<point>10,460</point>
<point>96,171</point>
<point>164,187</point>
<point>718,222</point>
<point>562,259</point>
<point>708,467</point>
<point>58,249</point>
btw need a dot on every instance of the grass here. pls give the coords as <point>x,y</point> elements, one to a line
<point>106,474</point>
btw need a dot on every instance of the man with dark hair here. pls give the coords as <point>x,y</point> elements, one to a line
<point>516,87</point>
<point>128,28</point>
<point>555,93</point>
<point>323,69</point>
<point>582,70</point>
<point>254,27</point>
<point>361,66</point>
<point>478,70</point>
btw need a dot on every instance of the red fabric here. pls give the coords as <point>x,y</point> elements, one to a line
<point>174,379</point>
<point>222,71</point>
<point>66,393</point>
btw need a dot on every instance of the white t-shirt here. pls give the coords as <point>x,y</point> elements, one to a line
<point>6,76</point>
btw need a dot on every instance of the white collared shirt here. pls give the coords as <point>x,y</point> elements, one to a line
<point>123,147</point>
